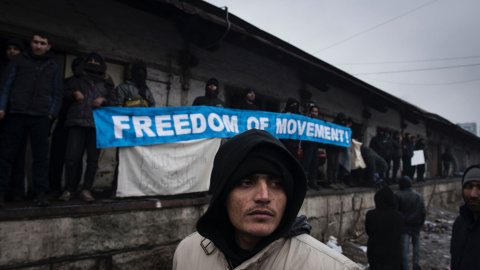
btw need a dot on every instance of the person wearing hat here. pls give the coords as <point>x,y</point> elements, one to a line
<point>17,188</point>
<point>91,89</point>
<point>412,206</point>
<point>247,103</point>
<point>13,47</point>
<point>212,90</point>
<point>465,242</point>
<point>251,222</point>
<point>384,226</point>
<point>28,107</point>
<point>134,92</point>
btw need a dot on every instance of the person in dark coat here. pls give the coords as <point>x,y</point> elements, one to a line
<point>28,106</point>
<point>382,145</point>
<point>384,226</point>
<point>376,166</point>
<point>212,89</point>
<point>447,159</point>
<point>89,91</point>
<point>333,152</point>
<point>248,101</point>
<point>310,155</point>
<point>17,186</point>
<point>407,154</point>
<point>465,242</point>
<point>412,206</point>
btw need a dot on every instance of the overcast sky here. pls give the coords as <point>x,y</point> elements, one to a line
<point>422,51</point>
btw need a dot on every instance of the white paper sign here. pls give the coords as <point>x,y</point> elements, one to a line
<point>166,169</point>
<point>418,157</point>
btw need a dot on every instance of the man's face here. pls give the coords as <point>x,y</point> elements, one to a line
<point>314,112</point>
<point>255,207</point>
<point>251,96</point>
<point>11,51</point>
<point>212,87</point>
<point>39,45</point>
<point>471,193</point>
<point>93,61</point>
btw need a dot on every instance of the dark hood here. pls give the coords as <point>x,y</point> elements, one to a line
<point>385,199</point>
<point>208,91</point>
<point>405,183</point>
<point>290,108</point>
<point>16,42</point>
<point>214,224</point>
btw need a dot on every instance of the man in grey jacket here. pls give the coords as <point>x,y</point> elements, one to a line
<point>252,222</point>
<point>412,206</point>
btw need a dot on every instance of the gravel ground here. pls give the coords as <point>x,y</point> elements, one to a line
<point>434,242</point>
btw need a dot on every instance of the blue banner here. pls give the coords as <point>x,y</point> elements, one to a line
<point>121,126</point>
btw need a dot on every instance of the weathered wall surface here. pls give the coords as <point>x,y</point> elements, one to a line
<point>146,238</point>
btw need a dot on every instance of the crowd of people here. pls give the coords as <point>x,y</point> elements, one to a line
<point>256,193</point>
<point>67,106</point>
<point>35,97</point>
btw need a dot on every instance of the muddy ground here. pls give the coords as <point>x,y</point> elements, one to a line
<point>434,242</point>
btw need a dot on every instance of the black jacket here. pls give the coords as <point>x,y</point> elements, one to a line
<point>382,145</point>
<point>81,113</point>
<point>31,85</point>
<point>209,101</point>
<point>411,205</point>
<point>465,243</point>
<point>384,226</point>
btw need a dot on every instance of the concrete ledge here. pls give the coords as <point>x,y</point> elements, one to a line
<point>143,233</point>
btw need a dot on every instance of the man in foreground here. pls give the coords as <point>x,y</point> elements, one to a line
<point>257,189</point>
<point>465,244</point>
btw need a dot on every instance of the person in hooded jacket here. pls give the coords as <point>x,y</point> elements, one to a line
<point>465,242</point>
<point>384,227</point>
<point>212,89</point>
<point>412,206</point>
<point>134,92</point>
<point>251,222</point>
<point>90,90</point>
<point>248,101</point>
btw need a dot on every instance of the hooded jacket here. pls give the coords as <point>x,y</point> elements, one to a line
<point>411,205</point>
<point>210,98</point>
<point>384,227</point>
<point>134,92</point>
<point>93,82</point>
<point>213,246</point>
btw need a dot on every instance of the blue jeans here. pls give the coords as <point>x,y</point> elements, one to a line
<point>415,235</point>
